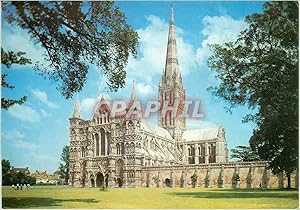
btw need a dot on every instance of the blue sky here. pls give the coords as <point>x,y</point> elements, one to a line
<point>34,134</point>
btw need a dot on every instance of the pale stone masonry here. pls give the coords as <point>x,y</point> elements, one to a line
<point>133,152</point>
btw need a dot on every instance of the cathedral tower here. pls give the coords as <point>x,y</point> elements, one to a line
<point>171,90</point>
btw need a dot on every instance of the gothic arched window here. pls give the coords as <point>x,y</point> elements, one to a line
<point>97,144</point>
<point>108,143</point>
<point>122,149</point>
<point>102,133</point>
<point>118,149</point>
<point>132,146</point>
<point>202,150</point>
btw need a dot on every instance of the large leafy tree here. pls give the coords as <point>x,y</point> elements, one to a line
<point>63,169</point>
<point>9,178</point>
<point>74,35</point>
<point>244,153</point>
<point>260,70</point>
<point>5,172</point>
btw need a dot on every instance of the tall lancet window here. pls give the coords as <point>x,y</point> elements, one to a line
<point>102,134</point>
<point>97,144</point>
<point>108,143</point>
<point>166,119</point>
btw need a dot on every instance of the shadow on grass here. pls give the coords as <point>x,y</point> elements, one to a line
<point>236,194</point>
<point>37,202</point>
<point>255,190</point>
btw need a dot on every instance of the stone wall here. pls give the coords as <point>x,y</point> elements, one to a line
<point>216,175</point>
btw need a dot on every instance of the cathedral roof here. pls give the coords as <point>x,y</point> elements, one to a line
<point>200,134</point>
<point>161,153</point>
<point>155,129</point>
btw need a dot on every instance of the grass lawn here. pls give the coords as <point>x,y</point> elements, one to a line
<point>65,197</point>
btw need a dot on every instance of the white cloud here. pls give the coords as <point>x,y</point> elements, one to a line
<point>217,29</point>
<point>21,144</point>
<point>87,105</point>
<point>44,113</point>
<point>42,157</point>
<point>43,97</point>
<point>16,39</point>
<point>197,124</point>
<point>13,134</point>
<point>144,89</point>
<point>17,140</point>
<point>24,113</point>
<point>153,48</point>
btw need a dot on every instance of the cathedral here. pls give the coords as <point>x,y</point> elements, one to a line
<point>115,151</point>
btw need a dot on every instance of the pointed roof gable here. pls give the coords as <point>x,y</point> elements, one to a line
<point>102,106</point>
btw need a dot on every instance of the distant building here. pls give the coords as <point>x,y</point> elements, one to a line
<point>43,177</point>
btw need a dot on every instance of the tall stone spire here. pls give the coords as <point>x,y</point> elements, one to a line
<point>132,107</point>
<point>172,67</point>
<point>133,96</point>
<point>171,89</point>
<point>76,110</point>
<point>133,93</point>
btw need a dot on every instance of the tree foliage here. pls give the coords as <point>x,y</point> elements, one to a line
<point>8,59</point>
<point>63,169</point>
<point>9,178</point>
<point>244,153</point>
<point>194,179</point>
<point>5,164</point>
<point>74,35</point>
<point>260,70</point>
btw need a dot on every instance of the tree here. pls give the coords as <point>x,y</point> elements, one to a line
<point>63,169</point>
<point>194,179</point>
<point>9,178</point>
<point>74,35</point>
<point>156,180</point>
<point>5,172</point>
<point>244,154</point>
<point>260,70</point>
<point>5,166</point>
<point>8,59</point>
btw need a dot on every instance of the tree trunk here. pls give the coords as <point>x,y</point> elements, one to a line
<point>289,180</point>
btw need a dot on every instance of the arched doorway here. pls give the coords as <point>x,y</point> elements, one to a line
<point>99,180</point>
<point>92,182</point>
<point>119,172</point>
<point>168,182</point>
